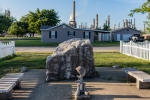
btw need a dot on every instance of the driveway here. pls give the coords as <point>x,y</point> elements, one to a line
<point>52,49</point>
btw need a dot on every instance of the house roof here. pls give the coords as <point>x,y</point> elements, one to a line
<point>51,27</point>
<point>116,30</point>
<point>45,27</point>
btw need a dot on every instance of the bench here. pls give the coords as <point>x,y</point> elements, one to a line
<point>142,79</point>
<point>131,98</point>
<point>8,83</point>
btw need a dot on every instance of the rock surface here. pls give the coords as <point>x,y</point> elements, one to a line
<point>69,55</point>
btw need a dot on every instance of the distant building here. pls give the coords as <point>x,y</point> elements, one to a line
<point>124,33</point>
<point>64,32</point>
<point>118,34</point>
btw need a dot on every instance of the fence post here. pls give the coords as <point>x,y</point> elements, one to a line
<point>130,47</point>
<point>121,46</point>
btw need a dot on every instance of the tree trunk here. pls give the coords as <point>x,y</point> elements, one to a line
<point>33,34</point>
<point>30,35</point>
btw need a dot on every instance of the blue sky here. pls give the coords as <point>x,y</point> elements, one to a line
<point>86,10</point>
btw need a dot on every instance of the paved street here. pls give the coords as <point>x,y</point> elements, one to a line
<point>52,49</point>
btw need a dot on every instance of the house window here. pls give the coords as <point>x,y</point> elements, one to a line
<point>71,33</point>
<point>64,26</point>
<point>53,34</point>
<point>86,35</point>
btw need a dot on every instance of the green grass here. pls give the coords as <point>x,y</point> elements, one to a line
<point>105,44</point>
<point>110,59</point>
<point>19,38</point>
<point>29,60</point>
<point>37,61</point>
<point>30,42</point>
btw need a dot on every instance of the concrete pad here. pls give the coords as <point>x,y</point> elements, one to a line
<point>105,87</point>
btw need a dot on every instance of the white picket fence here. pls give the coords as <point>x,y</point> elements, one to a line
<point>7,49</point>
<point>136,49</point>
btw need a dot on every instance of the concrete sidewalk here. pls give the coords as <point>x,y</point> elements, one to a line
<point>105,87</point>
<point>52,49</point>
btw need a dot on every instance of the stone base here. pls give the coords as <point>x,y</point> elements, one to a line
<point>131,79</point>
<point>18,86</point>
<point>6,96</point>
<point>82,97</point>
<point>142,85</point>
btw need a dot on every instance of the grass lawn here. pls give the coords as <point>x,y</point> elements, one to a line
<point>30,42</point>
<point>37,61</point>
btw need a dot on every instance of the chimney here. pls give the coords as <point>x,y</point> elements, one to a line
<point>144,28</point>
<point>73,21</point>
<point>123,23</point>
<point>119,25</point>
<point>106,23</point>
<point>126,23</point>
<point>96,20</point>
<point>73,11</point>
<point>93,23</point>
<point>109,20</point>
<point>131,24</point>
<point>114,26</point>
<point>134,23</point>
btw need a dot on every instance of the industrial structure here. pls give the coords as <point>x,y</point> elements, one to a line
<point>128,23</point>
<point>72,21</point>
<point>63,32</point>
<point>7,13</point>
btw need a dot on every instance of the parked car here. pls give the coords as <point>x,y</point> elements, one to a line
<point>136,38</point>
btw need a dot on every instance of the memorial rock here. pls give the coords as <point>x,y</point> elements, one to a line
<point>67,57</point>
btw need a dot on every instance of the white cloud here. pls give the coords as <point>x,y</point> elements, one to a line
<point>132,1</point>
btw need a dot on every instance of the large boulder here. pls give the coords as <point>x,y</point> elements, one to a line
<point>68,56</point>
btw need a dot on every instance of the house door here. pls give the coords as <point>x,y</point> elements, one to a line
<point>118,37</point>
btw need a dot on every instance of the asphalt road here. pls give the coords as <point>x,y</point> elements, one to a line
<point>52,49</point>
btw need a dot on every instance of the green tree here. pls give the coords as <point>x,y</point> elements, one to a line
<point>38,18</point>
<point>98,28</point>
<point>145,8</point>
<point>18,28</point>
<point>106,28</point>
<point>5,23</point>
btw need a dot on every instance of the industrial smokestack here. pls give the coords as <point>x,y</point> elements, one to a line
<point>144,28</point>
<point>123,23</point>
<point>96,20</point>
<point>119,25</point>
<point>126,23</point>
<point>72,21</point>
<point>131,24</point>
<point>109,20</point>
<point>134,22</point>
<point>93,23</point>
<point>73,11</point>
<point>106,22</point>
